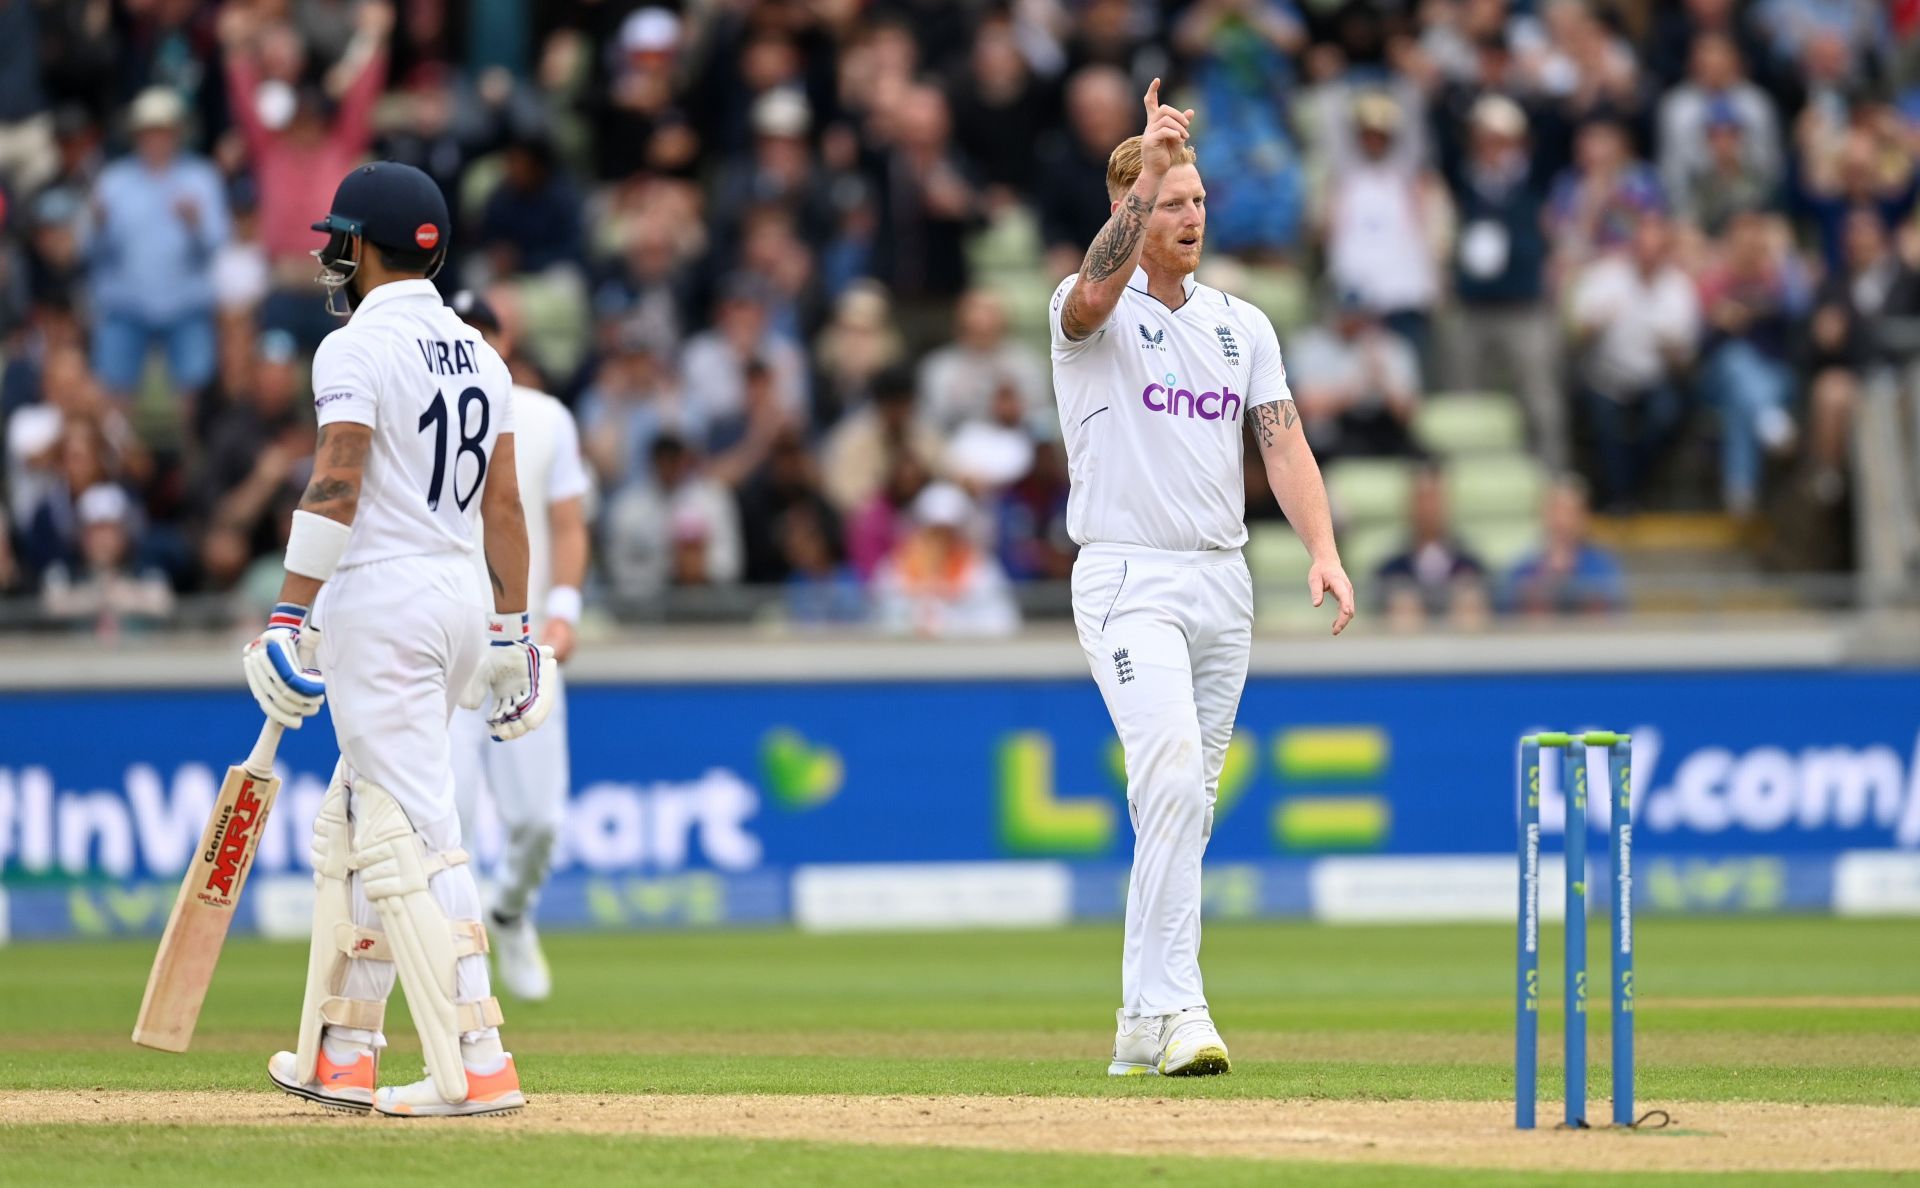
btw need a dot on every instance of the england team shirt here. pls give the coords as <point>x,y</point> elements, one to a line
<point>437,399</point>
<point>1152,406</point>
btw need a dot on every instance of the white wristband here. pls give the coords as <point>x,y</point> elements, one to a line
<point>315,545</point>
<point>511,627</point>
<point>563,603</point>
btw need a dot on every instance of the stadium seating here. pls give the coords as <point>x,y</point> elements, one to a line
<point>1460,423</point>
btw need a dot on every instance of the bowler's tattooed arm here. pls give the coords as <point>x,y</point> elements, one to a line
<point>1294,476</point>
<point>1273,417</point>
<point>1115,253</point>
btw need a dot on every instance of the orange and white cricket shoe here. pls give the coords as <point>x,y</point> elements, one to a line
<point>496,1092</point>
<point>347,1088</point>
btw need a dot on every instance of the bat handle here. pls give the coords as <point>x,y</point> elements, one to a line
<point>259,761</point>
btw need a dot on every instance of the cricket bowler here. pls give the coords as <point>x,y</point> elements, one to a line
<point>527,779</point>
<point>1155,376</point>
<point>416,424</point>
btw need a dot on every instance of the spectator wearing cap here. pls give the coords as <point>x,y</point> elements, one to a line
<point>55,266</point>
<point>1595,203</point>
<point>713,367</point>
<point>1356,382</point>
<point>532,220</point>
<point>958,380</point>
<point>300,139</point>
<point>103,588</point>
<point>1717,98</point>
<point>242,274</point>
<point>859,453</point>
<point>938,583</point>
<point>638,100</point>
<point>1384,217</point>
<point>1635,320</point>
<point>1504,324</point>
<point>780,169</point>
<point>157,218</point>
<point>256,460</point>
<point>1724,179</point>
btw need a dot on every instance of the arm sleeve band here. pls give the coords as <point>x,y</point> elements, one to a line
<point>563,603</point>
<point>315,544</point>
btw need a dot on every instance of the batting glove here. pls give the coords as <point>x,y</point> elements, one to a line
<point>287,690</point>
<point>517,673</point>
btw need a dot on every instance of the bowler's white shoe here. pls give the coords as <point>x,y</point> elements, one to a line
<point>1136,1045</point>
<point>518,959</point>
<point>495,1092</point>
<point>1193,1047</point>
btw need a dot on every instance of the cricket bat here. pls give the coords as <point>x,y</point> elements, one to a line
<point>190,946</point>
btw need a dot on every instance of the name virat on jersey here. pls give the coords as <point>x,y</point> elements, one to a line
<point>448,358</point>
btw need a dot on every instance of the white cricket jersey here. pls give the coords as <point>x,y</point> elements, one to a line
<point>437,399</point>
<point>1151,406</point>
<point>546,452</point>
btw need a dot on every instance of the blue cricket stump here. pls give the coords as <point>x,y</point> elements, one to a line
<point>1526,1042</point>
<point>1574,1004</point>
<point>1620,874</point>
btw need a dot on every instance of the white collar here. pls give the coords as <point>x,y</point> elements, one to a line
<point>395,290</point>
<point>1139,281</point>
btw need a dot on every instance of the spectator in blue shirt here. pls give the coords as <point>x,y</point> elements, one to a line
<point>1570,575</point>
<point>158,216</point>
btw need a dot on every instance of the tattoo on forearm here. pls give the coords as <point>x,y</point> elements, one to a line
<point>1114,248</point>
<point>344,450</point>
<point>1292,413</point>
<point>493,575</point>
<point>324,490</point>
<point>1117,242</point>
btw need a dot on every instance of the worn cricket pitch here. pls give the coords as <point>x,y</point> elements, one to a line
<point>1784,1050</point>
<point>1708,1137</point>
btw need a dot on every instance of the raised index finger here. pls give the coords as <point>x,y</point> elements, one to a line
<point>1153,97</point>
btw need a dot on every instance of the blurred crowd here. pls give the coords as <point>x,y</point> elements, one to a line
<point>787,262</point>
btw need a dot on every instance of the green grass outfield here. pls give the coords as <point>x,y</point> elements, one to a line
<point>1793,1010</point>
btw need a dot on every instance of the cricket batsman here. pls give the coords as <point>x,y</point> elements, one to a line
<point>416,423</point>
<point>528,778</point>
<point>1155,375</point>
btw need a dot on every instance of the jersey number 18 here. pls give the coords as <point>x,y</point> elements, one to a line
<point>470,443</point>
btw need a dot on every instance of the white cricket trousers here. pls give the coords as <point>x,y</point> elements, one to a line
<point>517,789</point>
<point>399,640</point>
<point>1167,635</point>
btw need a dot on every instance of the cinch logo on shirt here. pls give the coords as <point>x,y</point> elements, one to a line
<point>1173,400</point>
